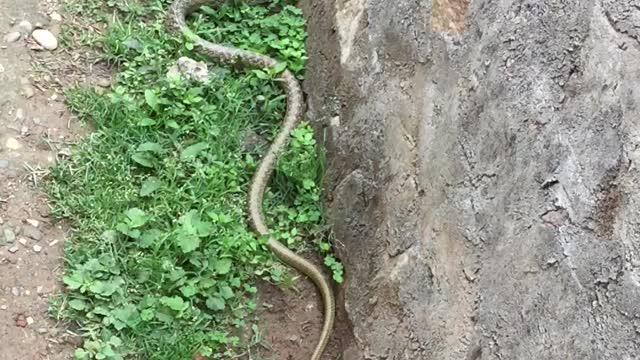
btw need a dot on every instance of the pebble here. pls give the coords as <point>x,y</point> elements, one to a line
<point>19,115</point>
<point>30,320</point>
<point>105,83</point>
<point>9,235</point>
<point>12,144</point>
<point>45,38</point>
<point>15,291</point>
<point>56,17</point>
<point>37,248</point>
<point>33,222</point>
<point>53,243</point>
<point>28,91</point>
<point>23,241</point>
<point>3,307</point>
<point>40,290</point>
<point>13,249</point>
<point>4,164</point>
<point>12,37</point>
<point>32,232</point>
<point>42,331</point>
<point>25,27</point>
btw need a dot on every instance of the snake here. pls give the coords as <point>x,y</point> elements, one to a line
<point>227,55</point>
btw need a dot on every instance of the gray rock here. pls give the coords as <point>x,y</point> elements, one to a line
<point>12,37</point>
<point>25,27</point>
<point>9,235</point>
<point>32,232</point>
<point>439,168</point>
<point>190,70</point>
<point>45,38</point>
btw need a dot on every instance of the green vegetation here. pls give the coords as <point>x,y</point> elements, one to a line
<point>162,264</point>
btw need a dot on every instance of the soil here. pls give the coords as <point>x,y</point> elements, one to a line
<point>292,320</point>
<point>35,130</point>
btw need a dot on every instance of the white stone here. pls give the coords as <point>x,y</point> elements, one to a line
<point>12,144</point>
<point>37,248</point>
<point>45,38</point>
<point>34,223</point>
<point>23,241</point>
<point>55,16</point>
<point>30,320</point>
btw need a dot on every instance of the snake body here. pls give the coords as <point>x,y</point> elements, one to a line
<point>177,14</point>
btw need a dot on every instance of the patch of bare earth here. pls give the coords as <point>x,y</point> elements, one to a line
<point>35,130</point>
<point>448,15</point>
<point>291,319</point>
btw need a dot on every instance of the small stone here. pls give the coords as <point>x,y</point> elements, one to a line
<point>45,38</point>
<point>105,83</point>
<point>33,222</point>
<point>9,235</point>
<point>3,307</point>
<point>37,248</point>
<point>4,164</point>
<point>53,243</point>
<point>30,320</point>
<point>25,27</point>
<point>19,114</point>
<point>12,144</point>
<point>21,321</point>
<point>27,292</point>
<point>40,290</point>
<point>12,37</point>
<point>32,232</point>
<point>23,241</point>
<point>15,291</point>
<point>42,331</point>
<point>55,16</point>
<point>13,249</point>
<point>28,91</point>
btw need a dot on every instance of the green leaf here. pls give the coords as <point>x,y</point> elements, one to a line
<point>188,243</point>
<point>215,303</point>
<point>137,217</point>
<point>149,237</point>
<point>81,354</point>
<point>78,304</point>
<point>188,290</point>
<point>146,122</point>
<point>150,146</point>
<point>73,281</point>
<point>151,98</point>
<point>106,288</point>
<point>147,314</point>
<point>150,185</point>
<point>190,152</point>
<point>279,67</point>
<point>174,303</point>
<point>223,266</point>
<point>226,292</point>
<point>143,159</point>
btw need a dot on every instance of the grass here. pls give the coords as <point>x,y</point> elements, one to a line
<point>162,263</point>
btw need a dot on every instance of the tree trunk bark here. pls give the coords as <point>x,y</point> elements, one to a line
<point>483,185</point>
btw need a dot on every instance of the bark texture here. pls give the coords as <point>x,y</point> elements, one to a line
<point>484,185</point>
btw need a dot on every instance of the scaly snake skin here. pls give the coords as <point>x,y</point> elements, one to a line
<point>177,14</point>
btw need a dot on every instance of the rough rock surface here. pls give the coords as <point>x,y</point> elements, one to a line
<point>484,185</point>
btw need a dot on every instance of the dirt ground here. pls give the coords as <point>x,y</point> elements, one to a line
<point>35,130</point>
